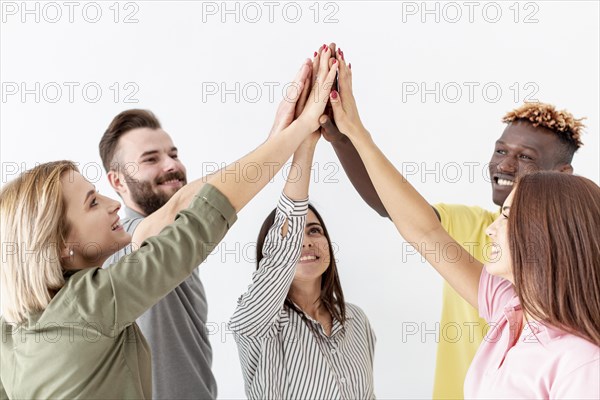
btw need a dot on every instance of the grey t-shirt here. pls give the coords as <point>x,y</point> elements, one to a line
<point>175,328</point>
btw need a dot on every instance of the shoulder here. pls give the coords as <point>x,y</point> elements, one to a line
<point>461,219</point>
<point>131,223</point>
<point>463,211</point>
<point>92,293</point>
<point>355,312</point>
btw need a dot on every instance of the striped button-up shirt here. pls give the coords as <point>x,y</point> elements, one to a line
<point>288,355</point>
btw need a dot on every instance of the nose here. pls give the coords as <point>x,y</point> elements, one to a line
<point>169,164</point>
<point>113,206</point>
<point>491,229</point>
<point>307,242</point>
<point>507,164</point>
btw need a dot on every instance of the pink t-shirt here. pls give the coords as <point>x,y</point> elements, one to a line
<point>545,362</point>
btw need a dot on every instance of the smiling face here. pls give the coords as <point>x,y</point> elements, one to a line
<point>151,169</point>
<point>315,258</point>
<point>500,261</point>
<point>522,149</point>
<point>94,229</point>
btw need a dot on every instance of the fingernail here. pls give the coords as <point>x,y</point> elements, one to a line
<point>350,65</point>
<point>315,54</point>
<point>334,94</point>
<point>334,60</point>
<point>324,46</point>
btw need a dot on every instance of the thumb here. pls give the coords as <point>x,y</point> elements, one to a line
<point>329,130</point>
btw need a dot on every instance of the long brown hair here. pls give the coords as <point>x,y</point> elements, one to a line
<point>332,295</point>
<point>554,232</point>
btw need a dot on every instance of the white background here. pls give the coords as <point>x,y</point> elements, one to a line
<point>176,50</point>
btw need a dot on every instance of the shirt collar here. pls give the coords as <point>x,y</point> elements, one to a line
<point>132,214</point>
<point>543,332</point>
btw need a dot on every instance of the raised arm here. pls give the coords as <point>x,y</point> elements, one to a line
<point>260,308</point>
<point>414,218</point>
<point>163,261</point>
<point>269,157</point>
<point>349,157</point>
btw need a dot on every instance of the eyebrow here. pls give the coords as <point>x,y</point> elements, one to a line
<point>507,208</point>
<point>313,224</point>
<point>151,152</point>
<point>527,147</point>
<point>88,194</point>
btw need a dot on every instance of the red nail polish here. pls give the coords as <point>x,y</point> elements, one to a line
<point>334,60</point>
<point>324,46</point>
<point>334,94</point>
<point>315,54</point>
<point>350,66</point>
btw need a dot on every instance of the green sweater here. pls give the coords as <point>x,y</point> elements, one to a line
<point>86,343</point>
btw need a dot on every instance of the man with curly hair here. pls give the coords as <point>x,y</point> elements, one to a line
<point>537,137</point>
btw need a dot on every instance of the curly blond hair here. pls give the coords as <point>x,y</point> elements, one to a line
<point>561,122</point>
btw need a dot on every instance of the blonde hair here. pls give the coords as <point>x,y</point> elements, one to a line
<point>562,123</point>
<point>33,231</point>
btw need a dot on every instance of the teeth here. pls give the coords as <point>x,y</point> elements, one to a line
<point>115,226</point>
<point>171,181</point>
<point>308,258</point>
<point>505,182</point>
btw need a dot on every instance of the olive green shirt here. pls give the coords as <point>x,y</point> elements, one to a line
<point>86,343</point>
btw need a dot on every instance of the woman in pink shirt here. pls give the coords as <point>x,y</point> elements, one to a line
<point>540,293</point>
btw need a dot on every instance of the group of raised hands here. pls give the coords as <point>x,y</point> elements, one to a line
<point>320,97</point>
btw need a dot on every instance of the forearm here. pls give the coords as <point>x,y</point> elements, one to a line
<point>259,308</point>
<point>418,223</point>
<point>358,175</point>
<point>298,180</point>
<point>268,158</point>
<point>411,213</point>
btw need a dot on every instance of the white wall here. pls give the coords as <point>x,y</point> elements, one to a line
<point>177,50</point>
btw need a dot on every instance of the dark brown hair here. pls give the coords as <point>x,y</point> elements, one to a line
<point>120,125</point>
<point>331,289</point>
<point>554,231</point>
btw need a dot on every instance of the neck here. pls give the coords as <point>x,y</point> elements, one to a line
<point>307,295</point>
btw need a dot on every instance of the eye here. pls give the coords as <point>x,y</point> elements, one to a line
<point>150,160</point>
<point>526,157</point>
<point>315,231</point>
<point>175,156</point>
<point>505,216</point>
<point>501,151</point>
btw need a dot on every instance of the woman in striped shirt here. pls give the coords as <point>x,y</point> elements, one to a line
<point>296,336</point>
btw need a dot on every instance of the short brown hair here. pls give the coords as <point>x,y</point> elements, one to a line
<point>120,125</point>
<point>567,128</point>
<point>554,226</point>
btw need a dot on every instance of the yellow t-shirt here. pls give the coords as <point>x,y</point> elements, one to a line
<point>461,329</point>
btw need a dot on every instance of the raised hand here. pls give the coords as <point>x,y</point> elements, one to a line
<point>289,104</point>
<point>345,112</point>
<point>324,76</point>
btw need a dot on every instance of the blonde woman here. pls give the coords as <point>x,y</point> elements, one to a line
<point>68,326</point>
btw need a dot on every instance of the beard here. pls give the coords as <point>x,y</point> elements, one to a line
<point>143,193</point>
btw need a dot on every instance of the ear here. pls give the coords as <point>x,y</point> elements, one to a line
<point>564,168</point>
<point>117,181</point>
